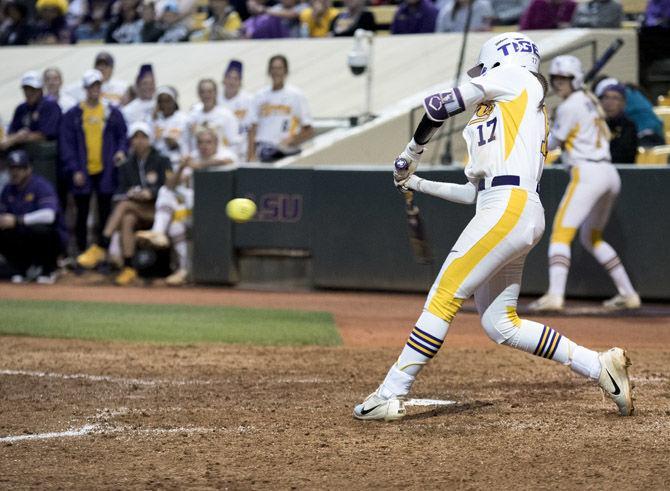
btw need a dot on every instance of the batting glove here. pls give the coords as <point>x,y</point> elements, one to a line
<point>411,154</point>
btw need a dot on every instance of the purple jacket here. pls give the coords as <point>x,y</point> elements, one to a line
<point>545,14</point>
<point>265,26</point>
<point>72,148</point>
<point>410,20</point>
<point>43,117</point>
<point>37,194</point>
<point>658,13</point>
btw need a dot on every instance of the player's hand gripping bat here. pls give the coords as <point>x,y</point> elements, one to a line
<point>417,236</point>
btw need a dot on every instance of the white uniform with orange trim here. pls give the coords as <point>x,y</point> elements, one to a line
<point>221,119</point>
<point>580,128</point>
<point>279,114</point>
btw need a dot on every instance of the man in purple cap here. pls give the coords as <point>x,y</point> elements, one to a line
<point>92,139</point>
<point>34,120</point>
<point>32,233</point>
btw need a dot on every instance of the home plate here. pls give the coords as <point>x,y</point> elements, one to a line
<point>428,402</point>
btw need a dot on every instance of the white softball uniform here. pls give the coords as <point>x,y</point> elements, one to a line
<point>279,114</point>
<point>580,126</point>
<point>506,138</point>
<point>240,106</point>
<point>139,110</point>
<point>220,119</point>
<point>594,183</point>
<point>175,127</point>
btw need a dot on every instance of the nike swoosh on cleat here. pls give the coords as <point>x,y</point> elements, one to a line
<point>366,411</point>
<point>617,391</point>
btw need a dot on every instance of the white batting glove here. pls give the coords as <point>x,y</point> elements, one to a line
<point>405,184</point>
<point>412,154</point>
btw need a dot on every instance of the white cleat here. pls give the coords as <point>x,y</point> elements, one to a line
<point>546,303</point>
<point>376,407</point>
<point>623,302</point>
<point>614,379</point>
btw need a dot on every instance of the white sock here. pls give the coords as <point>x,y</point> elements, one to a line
<point>422,345</point>
<point>540,340</point>
<point>609,259</point>
<point>559,265</point>
<point>181,248</point>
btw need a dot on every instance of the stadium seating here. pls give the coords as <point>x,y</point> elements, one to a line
<point>653,156</point>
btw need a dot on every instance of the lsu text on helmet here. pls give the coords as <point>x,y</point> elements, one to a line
<point>508,48</point>
<point>568,66</point>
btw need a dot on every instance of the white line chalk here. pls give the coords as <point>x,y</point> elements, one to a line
<point>103,378</point>
<point>428,402</point>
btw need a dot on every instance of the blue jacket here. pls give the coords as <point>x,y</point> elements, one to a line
<point>640,111</point>
<point>72,147</point>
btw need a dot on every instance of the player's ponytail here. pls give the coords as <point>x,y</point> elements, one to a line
<point>545,87</point>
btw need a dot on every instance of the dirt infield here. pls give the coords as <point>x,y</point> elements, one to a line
<point>117,415</point>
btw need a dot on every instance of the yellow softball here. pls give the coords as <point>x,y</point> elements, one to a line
<point>240,210</point>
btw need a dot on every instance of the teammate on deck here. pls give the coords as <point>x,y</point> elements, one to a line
<point>580,129</point>
<point>506,139</point>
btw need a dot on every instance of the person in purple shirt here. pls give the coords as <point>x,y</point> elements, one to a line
<point>32,231</point>
<point>657,14</point>
<point>36,119</point>
<point>414,17</point>
<point>95,173</point>
<point>547,14</point>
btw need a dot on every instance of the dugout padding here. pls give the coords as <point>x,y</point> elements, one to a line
<point>353,226</point>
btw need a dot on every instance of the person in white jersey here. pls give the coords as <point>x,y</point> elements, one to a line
<point>171,131</point>
<point>208,113</point>
<point>112,90</point>
<point>280,117</point>
<point>506,139</point>
<point>580,129</point>
<point>142,107</point>
<point>238,102</point>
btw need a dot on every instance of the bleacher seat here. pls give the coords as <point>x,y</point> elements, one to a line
<point>663,112</point>
<point>653,155</point>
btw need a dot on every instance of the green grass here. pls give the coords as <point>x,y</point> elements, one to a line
<point>166,323</point>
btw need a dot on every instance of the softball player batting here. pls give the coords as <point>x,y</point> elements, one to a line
<point>580,129</point>
<point>506,139</point>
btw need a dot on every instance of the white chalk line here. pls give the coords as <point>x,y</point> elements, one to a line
<point>102,378</point>
<point>428,402</point>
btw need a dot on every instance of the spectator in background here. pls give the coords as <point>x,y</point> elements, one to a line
<point>36,119</point>
<point>657,14</point>
<point>547,14</point>
<point>414,17</point>
<point>140,178</point>
<point>623,144</point>
<point>142,107</point>
<point>170,126</point>
<point>174,29</point>
<point>238,102</point>
<point>209,114</point>
<point>92,140</point>
<point>151,29</point>
<point>354,16</point>
<point>126,24</point>
<point>51,26</point>
<point>53,81</point>
<point>454,13</point>
<point>288,11</point>
<point>598,14</point>
<point>113,89</point>
<point>315,19</point>
<point>639,110</point>
<point>508,12</point>
<point>32,234</point>
<point>15,30</point>
<point>95,22</point>
<point>261,25</point>
<point>175,201</point>
<point>223,22</point>
<point>280,118</point>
